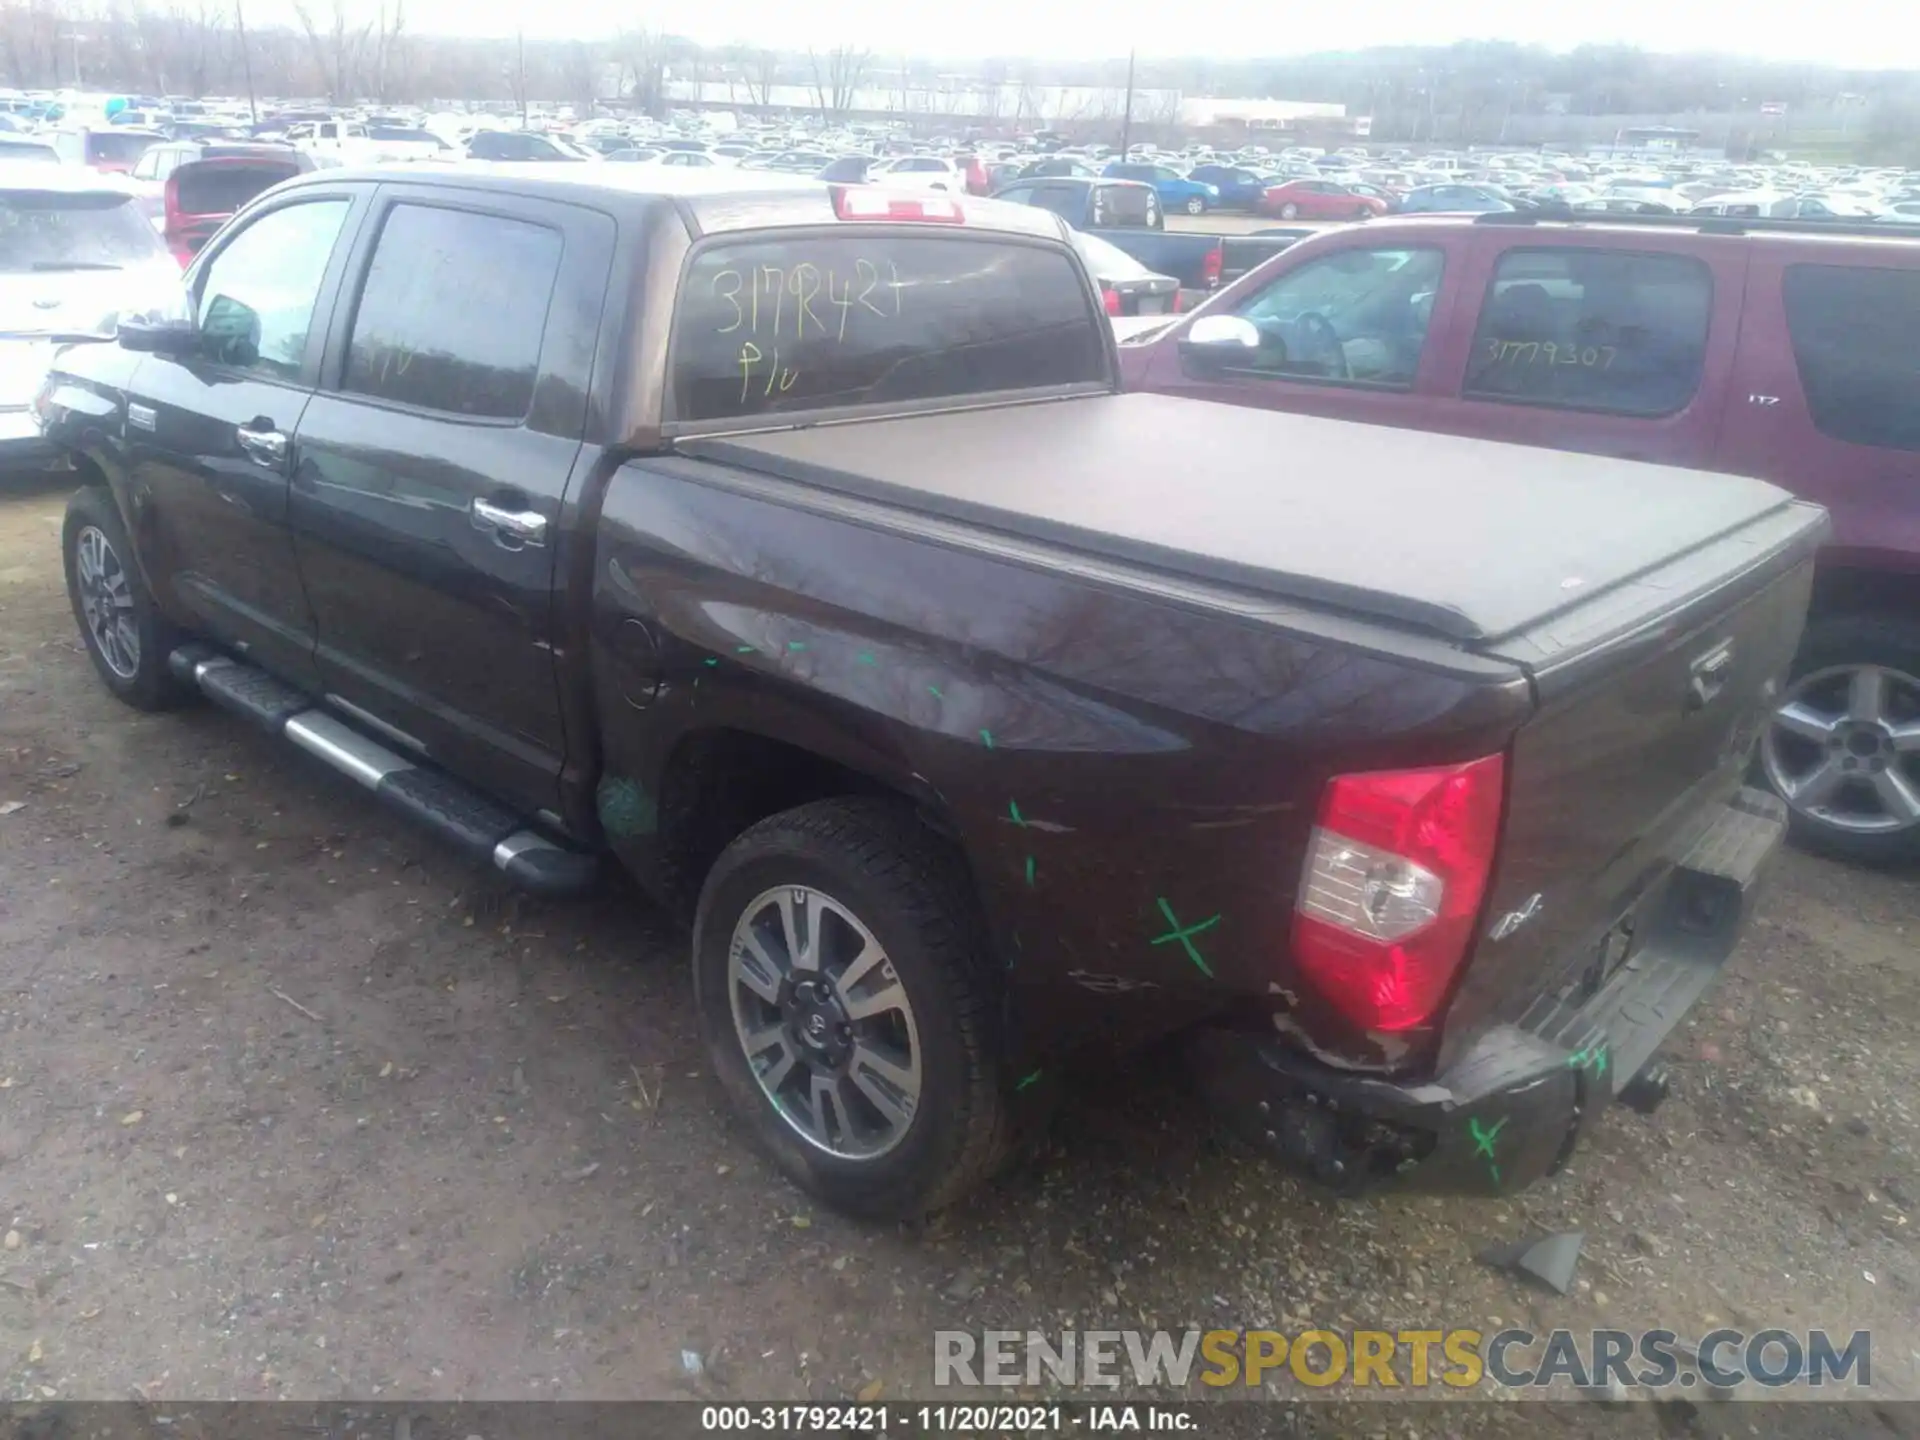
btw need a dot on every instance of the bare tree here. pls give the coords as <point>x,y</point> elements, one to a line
<point>644,53</point>
<point>336,48</point>
<point>760,69</point>
<point>580,77</point>
<point>836,80</point>
<point>390,51</point>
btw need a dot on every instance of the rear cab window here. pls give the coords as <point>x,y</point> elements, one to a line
<point>46,230</point>
<point>772,325</point>
<point>1615,331</point>
<point>104,147</point>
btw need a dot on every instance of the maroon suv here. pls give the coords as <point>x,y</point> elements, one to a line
<point>1784,352</point>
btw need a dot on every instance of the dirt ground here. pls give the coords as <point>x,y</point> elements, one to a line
<point>295,1105</point>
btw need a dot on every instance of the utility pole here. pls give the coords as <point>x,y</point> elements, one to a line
<point>1126,115</point>
<point>520,61</point>
<point>246,60</point>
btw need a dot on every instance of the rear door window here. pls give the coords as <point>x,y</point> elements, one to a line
<point>1852,329</point>
<point>771,326</point>
<point>452,312</point>
<point>1601,330</point>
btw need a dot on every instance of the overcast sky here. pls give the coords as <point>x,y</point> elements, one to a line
<point>1862,33</point>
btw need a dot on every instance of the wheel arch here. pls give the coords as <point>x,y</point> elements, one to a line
<point>1854,589</point>
<point>714,781</point>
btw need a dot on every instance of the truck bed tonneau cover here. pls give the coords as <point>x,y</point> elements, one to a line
<point>1469,539</point>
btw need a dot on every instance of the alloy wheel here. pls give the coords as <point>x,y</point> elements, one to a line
<point>1844,750</point>
<point>106,602</point>
<point>825,1024</point>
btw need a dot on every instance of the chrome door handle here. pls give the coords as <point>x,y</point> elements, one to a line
<point>521,527</point>
<point>264,447</point>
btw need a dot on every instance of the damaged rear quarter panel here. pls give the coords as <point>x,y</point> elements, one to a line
<point>1132,767</point>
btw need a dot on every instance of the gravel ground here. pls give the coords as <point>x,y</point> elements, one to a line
<point>295,1105</point>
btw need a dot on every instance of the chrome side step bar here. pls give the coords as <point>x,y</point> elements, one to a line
<point>481,827</point>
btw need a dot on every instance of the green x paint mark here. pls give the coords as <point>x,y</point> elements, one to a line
<point>865,657</point>
<point>1013,809</point>
<point>1030,1080</point>
<point>710,661</point>
<point>744,649</point>
<point>1593,1057</point>
<point>986,738</point>
<point>934,690</point>
<point>1185,936</point>
<point>1029,872</point>
<point>1483,1139</point>
<point>796,644</point>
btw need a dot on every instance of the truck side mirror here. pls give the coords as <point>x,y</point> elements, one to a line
<point>158,337</point>
<point>1220,342</point>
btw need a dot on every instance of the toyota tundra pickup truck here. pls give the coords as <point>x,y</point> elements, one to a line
<point>791,546</point>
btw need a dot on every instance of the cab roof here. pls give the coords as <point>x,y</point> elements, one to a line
<point>712,199</point>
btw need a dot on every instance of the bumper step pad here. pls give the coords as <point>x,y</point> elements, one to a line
<point>464,817</point>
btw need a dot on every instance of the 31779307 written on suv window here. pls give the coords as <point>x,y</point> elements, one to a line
<point>812,322</point>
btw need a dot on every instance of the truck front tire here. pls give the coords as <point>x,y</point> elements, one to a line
<point>841,979</point>
<point>126,636</point>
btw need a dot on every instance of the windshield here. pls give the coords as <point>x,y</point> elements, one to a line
<point>52,231</point>
<point>402,132</point>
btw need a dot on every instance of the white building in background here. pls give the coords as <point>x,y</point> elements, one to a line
<point>970,100</point>
<point>961,98</point>
<point>1207,112</point>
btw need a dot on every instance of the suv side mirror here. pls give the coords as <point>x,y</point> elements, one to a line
<point>158,337</point>
<point>1218,342</point>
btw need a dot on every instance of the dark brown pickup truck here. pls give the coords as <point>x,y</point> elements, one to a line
<point>790,545</point>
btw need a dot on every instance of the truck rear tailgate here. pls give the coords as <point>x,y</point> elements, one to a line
<point>1651,701</point>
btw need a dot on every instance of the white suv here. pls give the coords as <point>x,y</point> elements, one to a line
<point>920,172</point>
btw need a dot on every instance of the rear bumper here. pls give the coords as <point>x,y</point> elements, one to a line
<point>1517,1102</point>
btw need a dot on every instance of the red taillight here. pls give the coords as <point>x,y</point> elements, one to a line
<point>175,242</point>
<point>1179,301</point>
<point>1214,263</point>
<point>1392,887</point>
<point>1111,299</point>
<point>867,202</point>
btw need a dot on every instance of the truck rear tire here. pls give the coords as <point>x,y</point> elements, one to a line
<point>844,993</point>
<point>1843,749</point>
<point>126,636</point>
